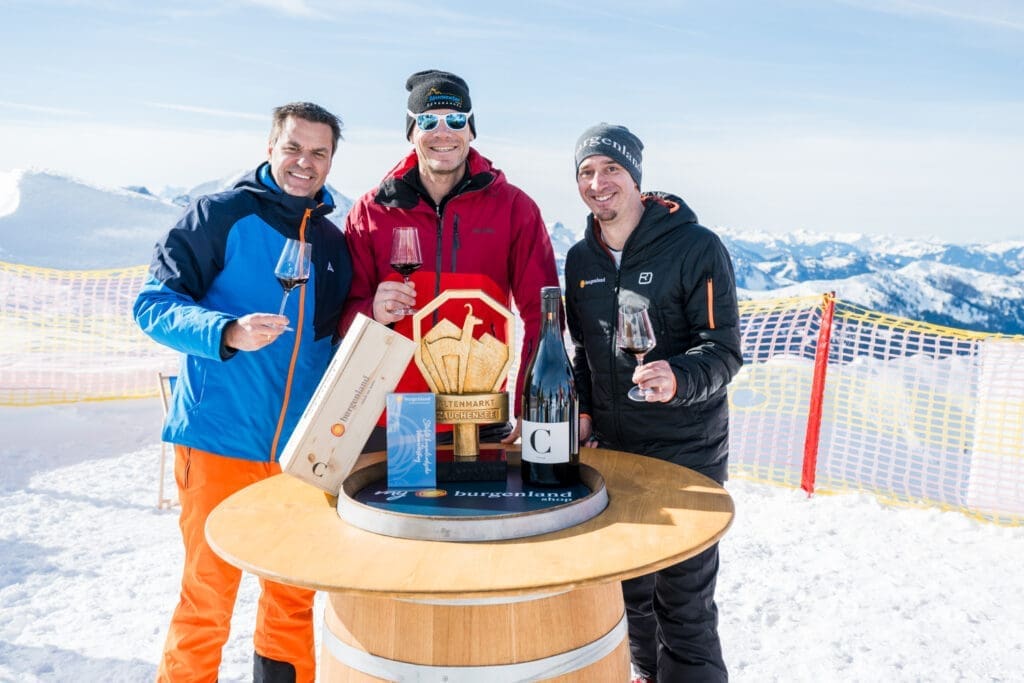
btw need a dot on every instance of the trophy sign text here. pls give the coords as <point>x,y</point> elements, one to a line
<point>465,365</point>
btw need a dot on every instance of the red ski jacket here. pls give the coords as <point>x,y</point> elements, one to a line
<point>486,234</point>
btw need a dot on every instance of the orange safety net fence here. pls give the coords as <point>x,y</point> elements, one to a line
<point>914,413</point>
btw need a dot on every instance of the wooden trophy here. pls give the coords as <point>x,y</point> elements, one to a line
<point>466,373</point>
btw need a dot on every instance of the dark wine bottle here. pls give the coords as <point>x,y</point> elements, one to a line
<point>550,408</point>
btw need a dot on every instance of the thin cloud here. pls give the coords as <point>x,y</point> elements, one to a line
<point>659,16</point>
<point>38,109</point>
<point>295,8</point>
<point>402,8</point>
<point>443,21</point>
<point>1005,15</point>
<point>222,113</point>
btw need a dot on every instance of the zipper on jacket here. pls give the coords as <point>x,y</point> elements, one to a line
<point>437,258</point>
<point>616,390</point>
<point>295,350</point>
<point>711,303</point>
<point>455,243</point>
<point>437,251</point>
<point>439,209</point>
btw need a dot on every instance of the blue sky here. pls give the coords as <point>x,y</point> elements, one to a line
<point>899,117</point>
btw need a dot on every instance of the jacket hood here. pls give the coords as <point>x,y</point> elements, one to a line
<point>284,208</point>
<point>663,212</point>
<point>399,191</point>
<point>657,201</point>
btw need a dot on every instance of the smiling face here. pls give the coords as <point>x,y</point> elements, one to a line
<point>607,189</point>
<point>442,151</point>
<point>300,157</point>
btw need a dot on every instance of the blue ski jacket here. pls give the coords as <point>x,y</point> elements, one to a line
<point>216,265</point>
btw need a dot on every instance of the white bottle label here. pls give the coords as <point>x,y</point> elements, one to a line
<point>545,442</point>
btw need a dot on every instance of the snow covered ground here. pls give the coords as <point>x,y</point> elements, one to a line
<point>830,588</point>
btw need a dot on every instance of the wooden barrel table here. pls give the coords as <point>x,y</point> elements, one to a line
<point>546,607</point>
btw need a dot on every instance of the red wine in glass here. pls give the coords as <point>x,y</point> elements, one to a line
<point>292,268</point>
<point>635,336</point>
<point>405,269</point>
<point>637,352</point>
<point>290,283</point>
<point>405,257</point>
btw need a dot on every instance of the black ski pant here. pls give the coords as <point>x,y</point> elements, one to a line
<point>673,621</point>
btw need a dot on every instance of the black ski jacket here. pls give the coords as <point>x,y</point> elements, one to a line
<point>683,272</point>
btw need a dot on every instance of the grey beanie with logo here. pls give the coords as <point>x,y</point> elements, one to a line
<point>612,141</point>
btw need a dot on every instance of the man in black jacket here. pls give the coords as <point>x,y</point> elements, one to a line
<point>648,249</point>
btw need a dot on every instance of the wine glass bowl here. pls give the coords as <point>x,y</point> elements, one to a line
<point>292,268</point>
<point>635,337</point>
<point>406,257</point>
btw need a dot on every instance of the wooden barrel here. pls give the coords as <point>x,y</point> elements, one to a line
<point>578,636</point>
<point>475,612</point>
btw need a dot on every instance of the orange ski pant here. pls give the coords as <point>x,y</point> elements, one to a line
<point>201,621</point>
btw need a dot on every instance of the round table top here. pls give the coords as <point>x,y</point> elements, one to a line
<point>658,514</point>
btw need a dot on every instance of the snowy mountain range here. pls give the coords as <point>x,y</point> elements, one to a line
<point>973,286</point>
<point>51,220</point>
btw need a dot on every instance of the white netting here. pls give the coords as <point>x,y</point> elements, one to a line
<point>924,414</point>
<point>69,336</point>
<point>769,397</point>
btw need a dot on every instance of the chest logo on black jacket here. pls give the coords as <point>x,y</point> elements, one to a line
<point>645,278</point>
<point>595,281</point>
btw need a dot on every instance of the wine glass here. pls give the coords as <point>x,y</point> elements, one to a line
<point>635,336</point>
<point>292,268</point>
<point>405,257</point>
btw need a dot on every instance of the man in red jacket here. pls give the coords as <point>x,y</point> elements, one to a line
<point>476,231</point>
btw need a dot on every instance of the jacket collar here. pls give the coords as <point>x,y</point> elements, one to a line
<point>402,188</point>
<point>265,177</point>
<point>279,209</point>
<point>662,212</point>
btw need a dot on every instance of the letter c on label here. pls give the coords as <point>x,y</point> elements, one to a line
<point>547,441</point>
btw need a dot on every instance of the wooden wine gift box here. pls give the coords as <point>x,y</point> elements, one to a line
<point>346,405</point>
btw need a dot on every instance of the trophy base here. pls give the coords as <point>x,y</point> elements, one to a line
<point>489,465</point>
<point>468,511</point>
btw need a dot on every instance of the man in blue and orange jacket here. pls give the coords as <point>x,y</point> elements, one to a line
<point>246,375</point>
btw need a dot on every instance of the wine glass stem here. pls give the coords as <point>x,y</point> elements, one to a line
<point>284,300</point>
<point>404,310</point>
<point>640,364</point>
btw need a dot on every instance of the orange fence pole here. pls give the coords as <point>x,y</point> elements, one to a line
<point>817,395</point>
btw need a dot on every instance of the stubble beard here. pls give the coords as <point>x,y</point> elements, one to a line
<point>439,169</point>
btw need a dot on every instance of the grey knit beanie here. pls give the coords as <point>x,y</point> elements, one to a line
<point>612,141</point>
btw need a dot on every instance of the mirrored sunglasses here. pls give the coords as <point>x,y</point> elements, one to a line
<point>456,120</point>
